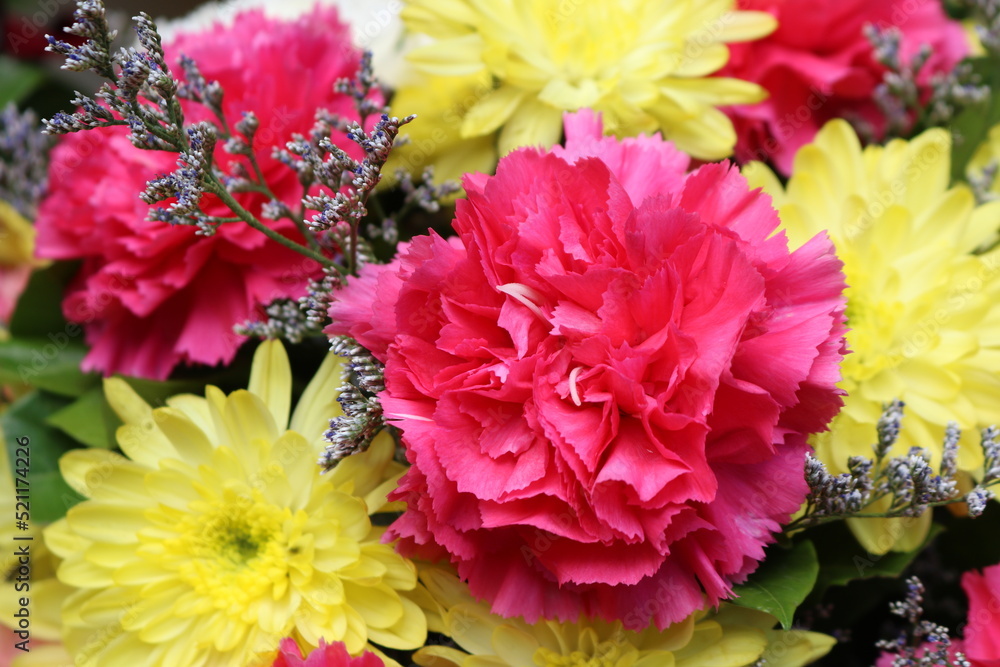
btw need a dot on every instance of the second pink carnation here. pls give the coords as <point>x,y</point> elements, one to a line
<point>818,65</point>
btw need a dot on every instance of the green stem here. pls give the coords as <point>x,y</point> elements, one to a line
<point>352,259</point>
<point>220,191</point>
<point>262,187</point>
<point>810,521</point>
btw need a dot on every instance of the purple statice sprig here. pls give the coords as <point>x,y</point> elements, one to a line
<point>94,54</point>
<point>295,320</point>
<point>363,379</point>
<point>909,482</point>
<point>141,93</point>
<point>348,183</point>
<point>23,160</point>
<point>898,95</point>
<point>923,643</point>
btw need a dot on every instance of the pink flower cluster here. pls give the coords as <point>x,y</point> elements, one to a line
<point>152,295</point>
<point>606,381</point>
<point>818,65</point>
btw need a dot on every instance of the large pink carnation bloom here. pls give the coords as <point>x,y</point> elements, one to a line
<point>150,294</point>
<point>818,65</point>
<point>606,381</point>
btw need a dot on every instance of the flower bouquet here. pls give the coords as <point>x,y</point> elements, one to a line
<point>502,334</point>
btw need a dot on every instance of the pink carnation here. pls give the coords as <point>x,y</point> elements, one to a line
<point>326,655</point>
<point>818,65</point>
<point>150,294</point>
<point>606,382</point>
<point>982,632</point>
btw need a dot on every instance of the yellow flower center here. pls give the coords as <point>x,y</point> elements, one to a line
<point>605,654</point>
<point>234,549</point>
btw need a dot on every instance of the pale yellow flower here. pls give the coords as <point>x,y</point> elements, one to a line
<point>923,307</point>
<point>215,536</point>
<point>645,65</point>
<point>734,637</point>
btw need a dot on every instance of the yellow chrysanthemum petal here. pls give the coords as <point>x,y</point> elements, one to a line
<point>318,404</point>
<point>514,646</point>
<point>409,630</point>
<point>271,380</point>
<point>441,656</point>
<point>746,26</point>
<point>532,124</point>
<point>196,409</point>
<point>139,438</point>
<point>492,111</point>
<point>458,56</point>
<point>100,474</point>
<point>187,437</point>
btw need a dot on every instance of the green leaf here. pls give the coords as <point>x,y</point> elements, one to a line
<point>972,126</point>
<point>50,496</point>
<point>17,79</point>
<point>89,419</point>
<point>781,582</point>
<point>51,363</point>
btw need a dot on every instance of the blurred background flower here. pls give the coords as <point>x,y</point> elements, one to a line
<point>511,70</point>
<point>819,65</point>
<point>151,294</point>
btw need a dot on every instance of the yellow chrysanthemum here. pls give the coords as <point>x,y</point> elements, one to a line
<point>216,537</point>
<point>921,305</point>
<point>644,64</point>
<point>732,638</point>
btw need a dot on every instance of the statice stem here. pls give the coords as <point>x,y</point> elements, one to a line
<point>217,188</point>
<point>908,481</point>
